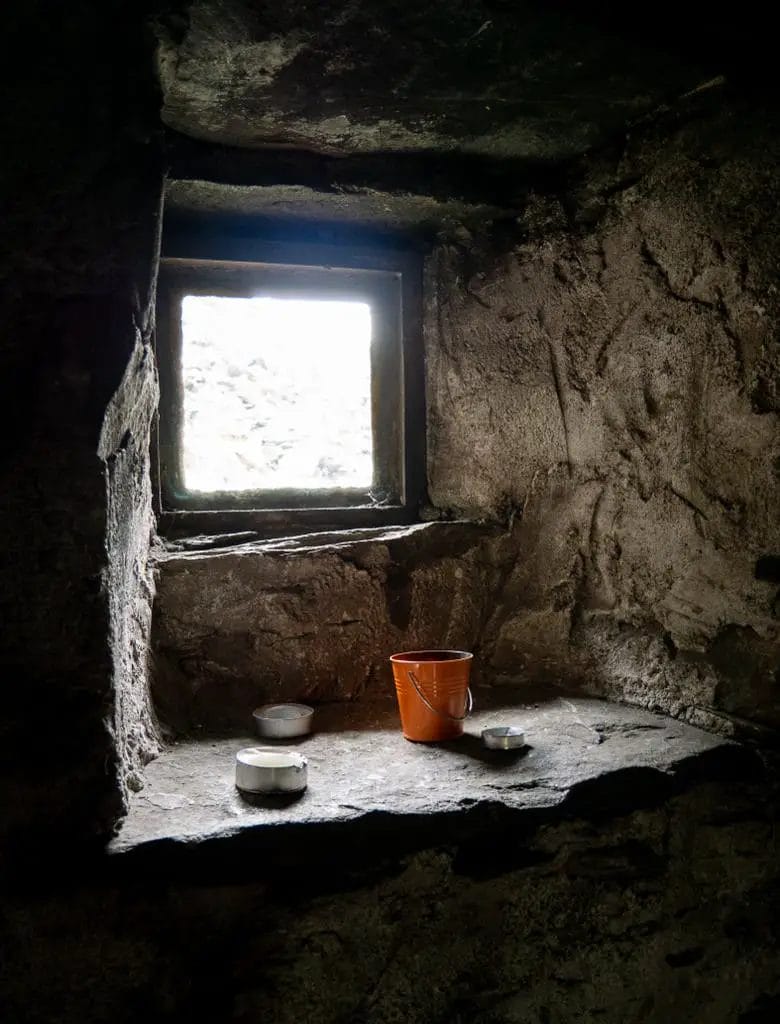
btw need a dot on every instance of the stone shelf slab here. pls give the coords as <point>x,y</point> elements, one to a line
<point>371,791</point>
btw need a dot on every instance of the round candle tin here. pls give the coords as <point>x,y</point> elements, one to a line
<point>264,770</point>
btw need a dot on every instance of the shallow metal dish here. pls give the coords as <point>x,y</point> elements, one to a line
<point>283,721</point>
<point>270,770</point>
<point>503,737</point>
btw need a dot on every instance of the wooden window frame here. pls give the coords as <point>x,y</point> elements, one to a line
<point>390,282</point>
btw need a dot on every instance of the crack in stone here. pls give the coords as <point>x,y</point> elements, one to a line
<point>662,275</point>
<point>687,501</point>
<point>556,376</point>
<point>601,355</point>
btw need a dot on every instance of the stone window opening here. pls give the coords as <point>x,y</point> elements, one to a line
<point>291,387</point>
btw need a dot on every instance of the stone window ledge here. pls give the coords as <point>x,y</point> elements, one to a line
<point>372,793</point>
<point>305,541</point>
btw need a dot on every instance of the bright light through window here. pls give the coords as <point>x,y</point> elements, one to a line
<point>277,394</point>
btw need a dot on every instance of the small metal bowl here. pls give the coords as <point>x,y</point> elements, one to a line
<point>264,770</point>
<point>283,721</point>
<point>503,737</point>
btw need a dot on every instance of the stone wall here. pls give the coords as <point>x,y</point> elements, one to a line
<point>618,383</point>
<point>125,447</point>
<point>315,618</point>
<point>82,168</point>
<point>602,380</point>
<point>667,914</point>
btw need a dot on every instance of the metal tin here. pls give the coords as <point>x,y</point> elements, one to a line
<point>283,721</point>
<point>266,770</point>
<point>503,737</point>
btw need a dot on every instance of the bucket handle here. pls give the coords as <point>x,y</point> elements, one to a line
<point>442,714</point>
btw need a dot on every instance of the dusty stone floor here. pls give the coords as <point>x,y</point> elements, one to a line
<point>579,752</point>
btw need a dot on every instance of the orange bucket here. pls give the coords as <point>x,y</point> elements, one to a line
<point>433,693</point>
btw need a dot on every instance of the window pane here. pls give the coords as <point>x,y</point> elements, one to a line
<point>277,394</point>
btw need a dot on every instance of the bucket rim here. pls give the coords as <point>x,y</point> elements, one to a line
<point>430,656</point>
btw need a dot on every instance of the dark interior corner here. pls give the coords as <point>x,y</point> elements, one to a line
<point>592,197</point>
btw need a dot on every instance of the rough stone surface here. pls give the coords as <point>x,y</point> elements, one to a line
<point>314,617</point>
<point>124,445</point>
<point>614,383</point>
<point>479,77</point>
<point>385,209</point>
<point>82,177</point>
<point>661,914</point>
<point>360,765</point>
